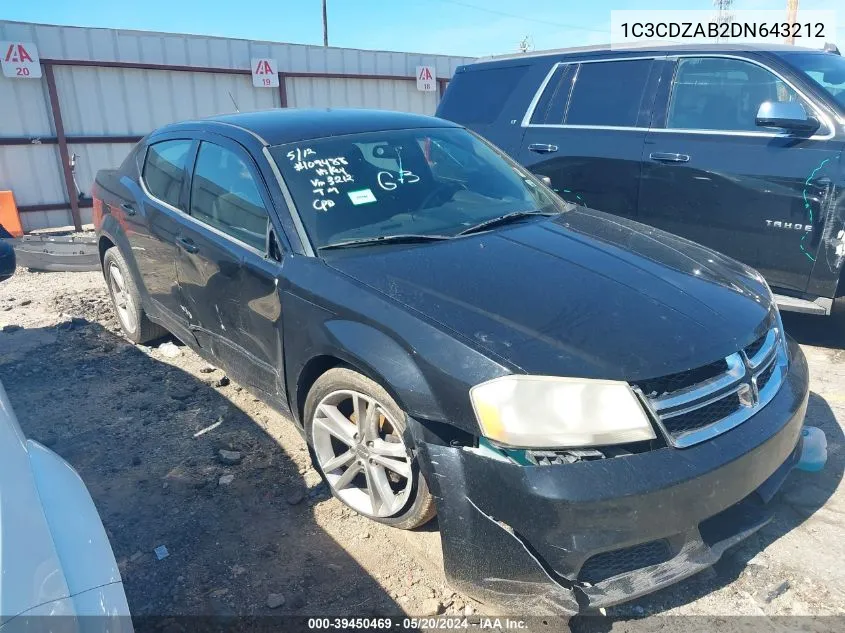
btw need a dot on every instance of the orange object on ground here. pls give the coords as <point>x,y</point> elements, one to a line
<point>9,216</point>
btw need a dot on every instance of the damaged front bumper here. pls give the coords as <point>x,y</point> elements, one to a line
<point>574,537</point>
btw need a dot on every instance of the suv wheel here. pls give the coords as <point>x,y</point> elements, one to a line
<point>127,301</point>
<point>356,431</point>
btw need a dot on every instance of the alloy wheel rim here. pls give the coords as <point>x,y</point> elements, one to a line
<point>360,450</point>
<point>122,301</point>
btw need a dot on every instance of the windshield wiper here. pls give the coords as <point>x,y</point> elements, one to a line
<point>401,238</point>
<point>504,219</point>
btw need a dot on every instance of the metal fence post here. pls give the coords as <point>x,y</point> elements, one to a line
<point>64,156</point>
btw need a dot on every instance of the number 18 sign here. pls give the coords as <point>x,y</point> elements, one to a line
<point>265,73</point>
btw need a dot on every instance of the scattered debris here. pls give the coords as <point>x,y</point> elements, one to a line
<point>230,458</point>
<point>169,350</point>
<point>218,593</point>
<point>221,382</point>
<point>275,600</point>
<point>202,432</point>
<point>135,556</point>
<point>25,302</point>
<point>225,480</point>
<point>161,552</point>
<point>207,369</point>
<point>238,570</point>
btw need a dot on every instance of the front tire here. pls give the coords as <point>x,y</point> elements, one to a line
<point>127,300</point>
<point>356,435</point>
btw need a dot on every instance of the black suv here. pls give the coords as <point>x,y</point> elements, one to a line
<point>738,148</point>
<point>592,410</point>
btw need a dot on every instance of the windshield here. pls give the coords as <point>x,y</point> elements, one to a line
<point>826,69</point>
<point>417,182</point>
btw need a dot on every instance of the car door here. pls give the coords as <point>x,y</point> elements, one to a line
<point>228,263</point>
<point>711,175</point>
<point>586,127</point>
<point>151,221</point>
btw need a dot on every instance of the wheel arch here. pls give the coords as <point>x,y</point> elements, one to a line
<point>375,355</point>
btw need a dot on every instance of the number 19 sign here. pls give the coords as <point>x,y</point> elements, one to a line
<point>20,60</point>
<point>265,73</point>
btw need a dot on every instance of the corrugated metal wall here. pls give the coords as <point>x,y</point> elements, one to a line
<point>106,101</point>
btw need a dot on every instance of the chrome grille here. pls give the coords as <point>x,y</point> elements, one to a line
<point>720,401</point>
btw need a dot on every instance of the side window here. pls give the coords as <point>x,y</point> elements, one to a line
<point>164,169</point>
<point>608,93</point>
<point>551,107</point>
<point>718,93</point>
<point>478,96</point>
<point>225,195</point>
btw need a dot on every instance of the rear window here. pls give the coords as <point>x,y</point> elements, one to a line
<point>608,93</point>
<point>478,96</point>
<point>164,170</point>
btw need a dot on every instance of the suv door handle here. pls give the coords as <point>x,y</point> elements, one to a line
<point>542,148</point>
<point>669,157</point>
<point>128,208</point>
<point>187,244</point>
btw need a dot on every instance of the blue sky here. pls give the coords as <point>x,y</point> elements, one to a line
<point>457,27</point>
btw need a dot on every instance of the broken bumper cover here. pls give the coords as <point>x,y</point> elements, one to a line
<point>574,537</point>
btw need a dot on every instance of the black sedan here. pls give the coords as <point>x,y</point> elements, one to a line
<point>593,408</point>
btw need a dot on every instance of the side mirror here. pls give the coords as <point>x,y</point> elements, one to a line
<point>788,115</point>
<point>546,180</point>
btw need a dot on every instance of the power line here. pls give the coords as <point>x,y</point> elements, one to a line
<point>521,17</point>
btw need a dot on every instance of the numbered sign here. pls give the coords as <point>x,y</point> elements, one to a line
<point>426,79</point>
<point>20,60</point>
<point>265,73</point>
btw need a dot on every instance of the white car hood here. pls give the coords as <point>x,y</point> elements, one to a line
<point>52,542</point>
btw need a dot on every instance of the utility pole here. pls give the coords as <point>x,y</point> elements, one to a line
<point>791,16</point>
<point>723,12</point>
<point>325,25</point>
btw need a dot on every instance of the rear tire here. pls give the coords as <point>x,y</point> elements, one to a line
<point>127,300</point>
<point>356,431</point>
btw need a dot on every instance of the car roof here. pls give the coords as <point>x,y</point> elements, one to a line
<point>288,125</point>
<point>622,49</point>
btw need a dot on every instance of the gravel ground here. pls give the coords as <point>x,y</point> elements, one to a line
<point>144,427</point>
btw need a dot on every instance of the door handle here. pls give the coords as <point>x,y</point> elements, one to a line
<point>128,208</point>
<point>542,148</point>
<point>187,244</point>
<point>669,157</point>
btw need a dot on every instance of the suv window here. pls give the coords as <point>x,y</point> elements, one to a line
<point>225,195</point>
<point>608,93</point>
<point>551,107</point>
<point>164,169</point>
<point>719,93</point>
<point>478,96</point>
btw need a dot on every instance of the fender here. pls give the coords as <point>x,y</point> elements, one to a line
<point>370,351</point>
<point>384,357</point>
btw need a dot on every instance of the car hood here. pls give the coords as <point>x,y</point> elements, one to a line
<point>52,544</point>
<point>30,569</point>
<point>583,294</point>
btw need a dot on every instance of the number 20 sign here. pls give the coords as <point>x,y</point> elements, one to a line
<point>265,73</point>
<point>20,60</point>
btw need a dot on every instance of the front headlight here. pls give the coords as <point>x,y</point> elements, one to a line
<point>548,412</point>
